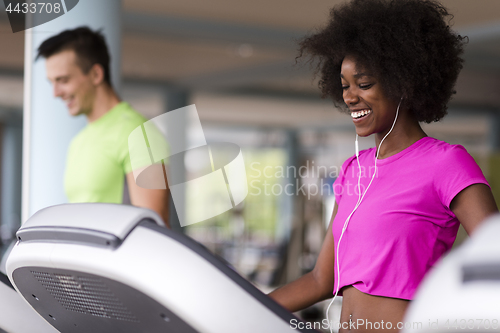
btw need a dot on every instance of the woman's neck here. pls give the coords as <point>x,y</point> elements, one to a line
<point>406,132</point>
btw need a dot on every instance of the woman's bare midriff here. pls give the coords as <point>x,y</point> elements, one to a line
<point>366,313</point>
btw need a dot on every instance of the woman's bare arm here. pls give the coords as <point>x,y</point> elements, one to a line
<point>472,205</point>
<point>314,286</point>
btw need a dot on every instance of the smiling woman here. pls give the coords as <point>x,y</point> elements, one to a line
<point>371,110</point>
<point>391,64</point>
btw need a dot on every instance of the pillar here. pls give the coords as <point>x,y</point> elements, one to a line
<point>47,126</point>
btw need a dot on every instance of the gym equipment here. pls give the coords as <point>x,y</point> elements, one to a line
<point>462,293</point>
<point>16,316</point>
<point>114,268</point>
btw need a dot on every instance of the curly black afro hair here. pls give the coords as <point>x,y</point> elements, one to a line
<point>407,44</point>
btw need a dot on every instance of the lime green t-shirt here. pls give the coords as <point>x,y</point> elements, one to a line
<point>98,157</point>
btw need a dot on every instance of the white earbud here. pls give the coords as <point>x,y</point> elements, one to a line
<point>357,147</point>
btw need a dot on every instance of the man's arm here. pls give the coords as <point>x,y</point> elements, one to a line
<point>157,200</point>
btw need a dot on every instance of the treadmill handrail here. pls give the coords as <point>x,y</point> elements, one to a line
<point>201,250</point>
<point>69,235</point>
<point>113,219</point>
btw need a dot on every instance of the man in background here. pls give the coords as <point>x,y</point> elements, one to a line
<point>98,162</point>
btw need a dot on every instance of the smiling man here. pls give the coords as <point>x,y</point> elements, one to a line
<point>98,162</point>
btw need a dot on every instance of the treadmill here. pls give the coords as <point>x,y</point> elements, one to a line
<point>95,267</point>
<point>462,292</point>
<point>16,316</point>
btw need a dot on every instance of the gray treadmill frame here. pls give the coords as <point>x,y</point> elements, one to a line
<point>101,239</point>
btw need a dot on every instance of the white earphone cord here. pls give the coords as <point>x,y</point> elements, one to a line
<point>360,198</point>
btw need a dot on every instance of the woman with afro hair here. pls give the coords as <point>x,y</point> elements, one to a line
<point>390,64</point>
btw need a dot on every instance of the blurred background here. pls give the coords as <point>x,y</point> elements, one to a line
<point>236,61</point>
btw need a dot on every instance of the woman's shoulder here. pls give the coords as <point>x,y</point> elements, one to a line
<point>448,161</point>
<point>443,151</point>
<point>428,149</point>
<point>431,150</point>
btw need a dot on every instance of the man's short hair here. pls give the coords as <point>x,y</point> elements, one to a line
<point>89,46</point>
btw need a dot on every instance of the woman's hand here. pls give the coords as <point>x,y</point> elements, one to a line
<point>316,285</point>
